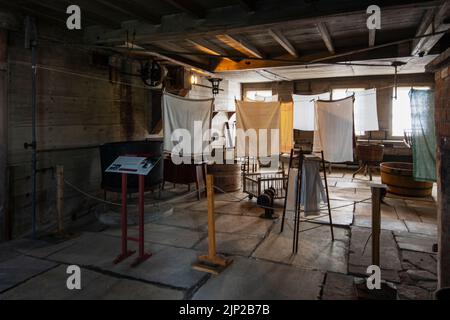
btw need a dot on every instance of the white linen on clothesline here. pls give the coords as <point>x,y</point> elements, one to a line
<point>365,110</point>
<point>182,113</point>
<point>333,132</point>
<point>258,116</point>
<point>304,112</point>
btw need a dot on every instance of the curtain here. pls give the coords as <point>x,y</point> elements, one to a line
<point>304,112</point>
<point>182,113</point>
<point>423,134</point>
<point>333,132</point>
<point>286,127</point>
<point>366,115</point>
<point>257,116</point>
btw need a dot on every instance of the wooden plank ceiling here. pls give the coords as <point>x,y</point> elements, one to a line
<point>226,36</point>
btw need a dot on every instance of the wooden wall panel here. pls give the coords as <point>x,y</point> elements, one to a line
<point>77,107</point>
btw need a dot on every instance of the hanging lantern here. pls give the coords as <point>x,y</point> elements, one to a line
<point>215,82</point>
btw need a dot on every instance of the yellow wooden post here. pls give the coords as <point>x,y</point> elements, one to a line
<point>211,262</point>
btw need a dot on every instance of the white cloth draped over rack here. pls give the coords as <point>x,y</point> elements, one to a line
<point>182,113</point>
<point>333,132</point>
<point>312,189</point>
<point>304,112</point>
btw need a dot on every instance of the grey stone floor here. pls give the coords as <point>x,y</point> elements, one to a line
<point>264,266</point>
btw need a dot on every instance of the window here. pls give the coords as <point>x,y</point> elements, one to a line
<point>401,111</point>
<point>258,94</point>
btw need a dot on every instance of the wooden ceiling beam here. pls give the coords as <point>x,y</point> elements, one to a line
<point>207,47</point>
<point>189,7</point>
<point>217,21</point>
<point>249,5</point>
<point>282,41</point>
<point>326,37</point>
<point>433,21</point>
<point>130,10</point>
<point>240,44</point>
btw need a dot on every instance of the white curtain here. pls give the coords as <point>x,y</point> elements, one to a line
<point>257,116</point>
<point>182,113</point>
<point>366,115</point>
<point>333,132</point>
<point>304,112</point>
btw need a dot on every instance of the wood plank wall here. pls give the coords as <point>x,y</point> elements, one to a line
<point>74,112</point>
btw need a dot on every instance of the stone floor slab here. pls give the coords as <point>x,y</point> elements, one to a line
<point>165,234</point>
<point>243,225</point>
<point>415,241</point>
<point>51,285</point>
<point>339,286</point>
<point>250,279</point>
<point>232,244</point>
<point>423,228</point>
<point>386,223</point>
<point>16,270</point>
<point>316,250</point>
<point>167,265</point>
<point>361,253</point>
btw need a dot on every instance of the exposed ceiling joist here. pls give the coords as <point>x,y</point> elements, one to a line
<point>206,46</point>
<point>188,6</point>
<point>178,50</point>
<point>282,41</point>
<point>249,5</point>
<point>130,10</point>
<point>326,37</point>
<point>240,44</point>
<point>151,51</point>
<point>433,21</point>
<point>174,28</point>
<point>372,35</point>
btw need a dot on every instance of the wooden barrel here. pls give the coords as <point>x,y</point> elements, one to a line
<point>226,176</point>
<point>398,176</point>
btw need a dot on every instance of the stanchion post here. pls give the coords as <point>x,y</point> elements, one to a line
<point>377,190</point>
<point>211,263</point>
<point>211,217</point>
<point>60,198</point>
<point>142,256</point>
<point>124,223</point>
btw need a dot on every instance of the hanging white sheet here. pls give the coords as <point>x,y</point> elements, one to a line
<point>304,113</point>
<point>365,109</point>
<point>182,113</point>
<point>257,116</point>
<point>334,129</point>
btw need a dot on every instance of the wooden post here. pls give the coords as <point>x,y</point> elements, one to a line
<point>211,263</point>
<point>376,221</point>
<point>60,197</point>
<point>4,223</point>
<point>211,217</point>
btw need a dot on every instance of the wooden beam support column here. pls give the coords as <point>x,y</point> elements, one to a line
<point>4,194</point>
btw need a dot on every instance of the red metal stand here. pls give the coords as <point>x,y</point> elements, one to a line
<point>142,256</point>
